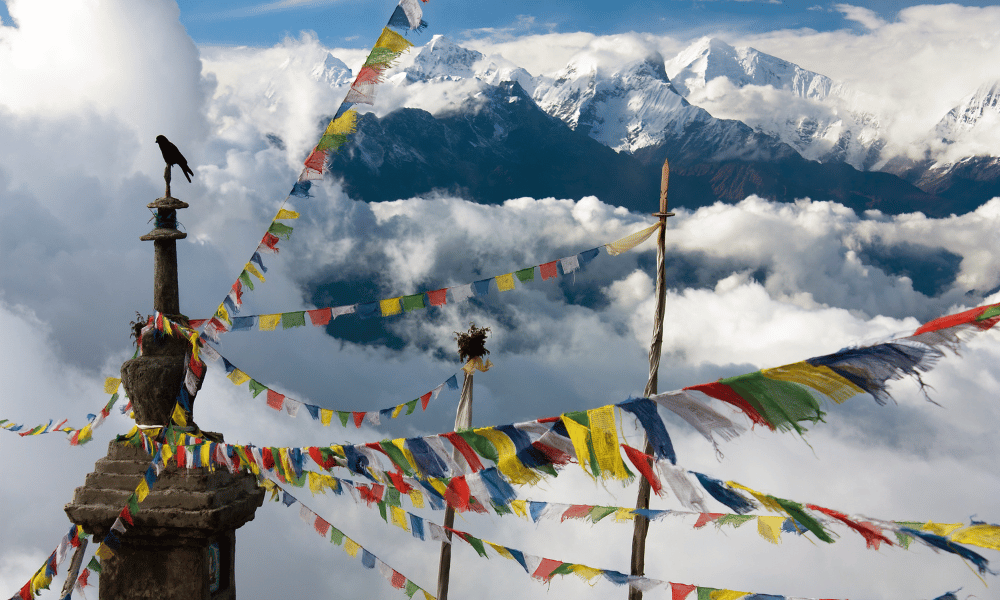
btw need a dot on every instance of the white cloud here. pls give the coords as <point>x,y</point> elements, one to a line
<point>867,18</point>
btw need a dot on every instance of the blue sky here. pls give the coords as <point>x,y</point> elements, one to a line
<point>348,22</point>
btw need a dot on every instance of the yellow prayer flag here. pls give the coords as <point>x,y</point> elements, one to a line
<point>578,434</point>
<point>586,573</point>
<point>980,534</point>
<point>223,314</point>
<point>286,214</point>
<point>502,551</point>
<point>438,485</point>
<point>417,498</point>
<point>269,322</point>
<point>316,483</point>
<point>391,307</point>
<point>345,124</point>
<point>505,283</point>
<point>178,416</point>
<point>206,457</point>
<point>398,517</point>
<point>520,508</point>
<point>475,364</point>
<point>249,268</point>
<point>103,552</point>
<point>507,462</point>
<point>238,377</point>
<point>631,241</point>
<point>350,546</point>
<point>768,502</point>
<point>142,490</point>
<point>325,416</point>
<point>821,378</point>
<point>166,453</point>
<point>397,410</point>
<point>624,514</point>
<point>770,528</point>
<point>111,385</point>
<point>605,441</point>
<point>727,595</point>
<point>392,41</point>
<point>427,595</point>
<point>942,529</point>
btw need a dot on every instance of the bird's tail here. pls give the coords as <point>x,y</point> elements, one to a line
<point>188,173</point>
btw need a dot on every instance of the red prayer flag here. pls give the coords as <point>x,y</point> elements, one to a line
<point>545,568</point>
<point>270,241</point>
<point>398,579</point>
<point>81,581</point>
<point>124,515</point>
<point>321,526</point>
<point>398,482</point>
<point>438,297</point>
<point>723,392</point>
<point>275,400</point>
<point>466,451</point>
<point>577,511</point>
<point>641,462</point>
<point>425,399</point>
<point>548,270</point>
<point>358,418</point>
<point>196,323</point>
<point>268,457</point>
<point>968,316</point>
<point>316,160</point>
<point>26,591</point>
<point>181,457</point>
<point>238,290</point>
<point>320,316</point>
<point>705,519</point>
<point>457,494</point>
<point>680,591</point>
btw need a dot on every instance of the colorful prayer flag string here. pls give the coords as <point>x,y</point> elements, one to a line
<point>390,307</point>
<point>327,530</point>
<point>389,46</point>
<point>77,435</point>
<point>42,578</point>
<point>290,406</point>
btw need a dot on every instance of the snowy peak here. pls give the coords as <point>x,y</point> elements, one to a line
<point>709,58</point>
<point>442,59</point>
<point>625,107</point>
<point>332,71</point>
<point>976,111</point>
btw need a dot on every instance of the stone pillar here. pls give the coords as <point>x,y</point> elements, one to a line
<point>182,545</point>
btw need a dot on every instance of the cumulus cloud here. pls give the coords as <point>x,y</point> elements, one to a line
<point>751,285</point>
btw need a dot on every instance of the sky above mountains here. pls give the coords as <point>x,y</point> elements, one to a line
<point>85,89</point>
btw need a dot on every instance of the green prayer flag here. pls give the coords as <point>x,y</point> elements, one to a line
<point>336,535</point>
<point>734,520</point>
<point>381,511</point>
<point>293,319</point>
<point>94,565</point>
<point>411,406</point>
<point>481,445</point>
<point>799,514</point>
<point>245,278</point>
<point>705,593</point>
<point>133,504</point>
<point>397,457</point>
<point>380,57</point>
<point>331,141</point>
<point>599,512</point>
<point>413,302</point>
<point>411,588</point>
<point>563,569</point>
<point>392,496</point>
<point>525,274</point>
<point>280,230</point>
<point>256,387</point>
<point>343,416</point>
<point>784,404</point>
<point>477,544</point>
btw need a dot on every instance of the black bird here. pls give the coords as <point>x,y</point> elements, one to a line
<point>173,156</point>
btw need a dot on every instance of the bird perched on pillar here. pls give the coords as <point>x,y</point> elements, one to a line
<point>172,156</point>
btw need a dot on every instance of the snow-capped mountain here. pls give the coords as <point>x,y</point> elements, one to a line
<point>332,71</point>
<point>814,114</point>
<point>977,115</point>
<point>442,60</point>
<point>635,106</point>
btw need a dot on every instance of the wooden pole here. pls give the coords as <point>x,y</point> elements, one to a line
<point>74,569</point>
<point>642,501</point>
<point>463,420</point>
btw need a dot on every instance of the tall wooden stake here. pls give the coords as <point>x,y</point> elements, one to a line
<point>74,569</point>
<point>642,523</point>
<point>470,345</point>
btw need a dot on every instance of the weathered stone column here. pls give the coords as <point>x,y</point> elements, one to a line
<point>182,545</point>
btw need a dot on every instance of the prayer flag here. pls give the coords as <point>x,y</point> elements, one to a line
<point>505,283</point>
<point>438,297</point>
<point>525,275</point>
<point>548,270</point>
